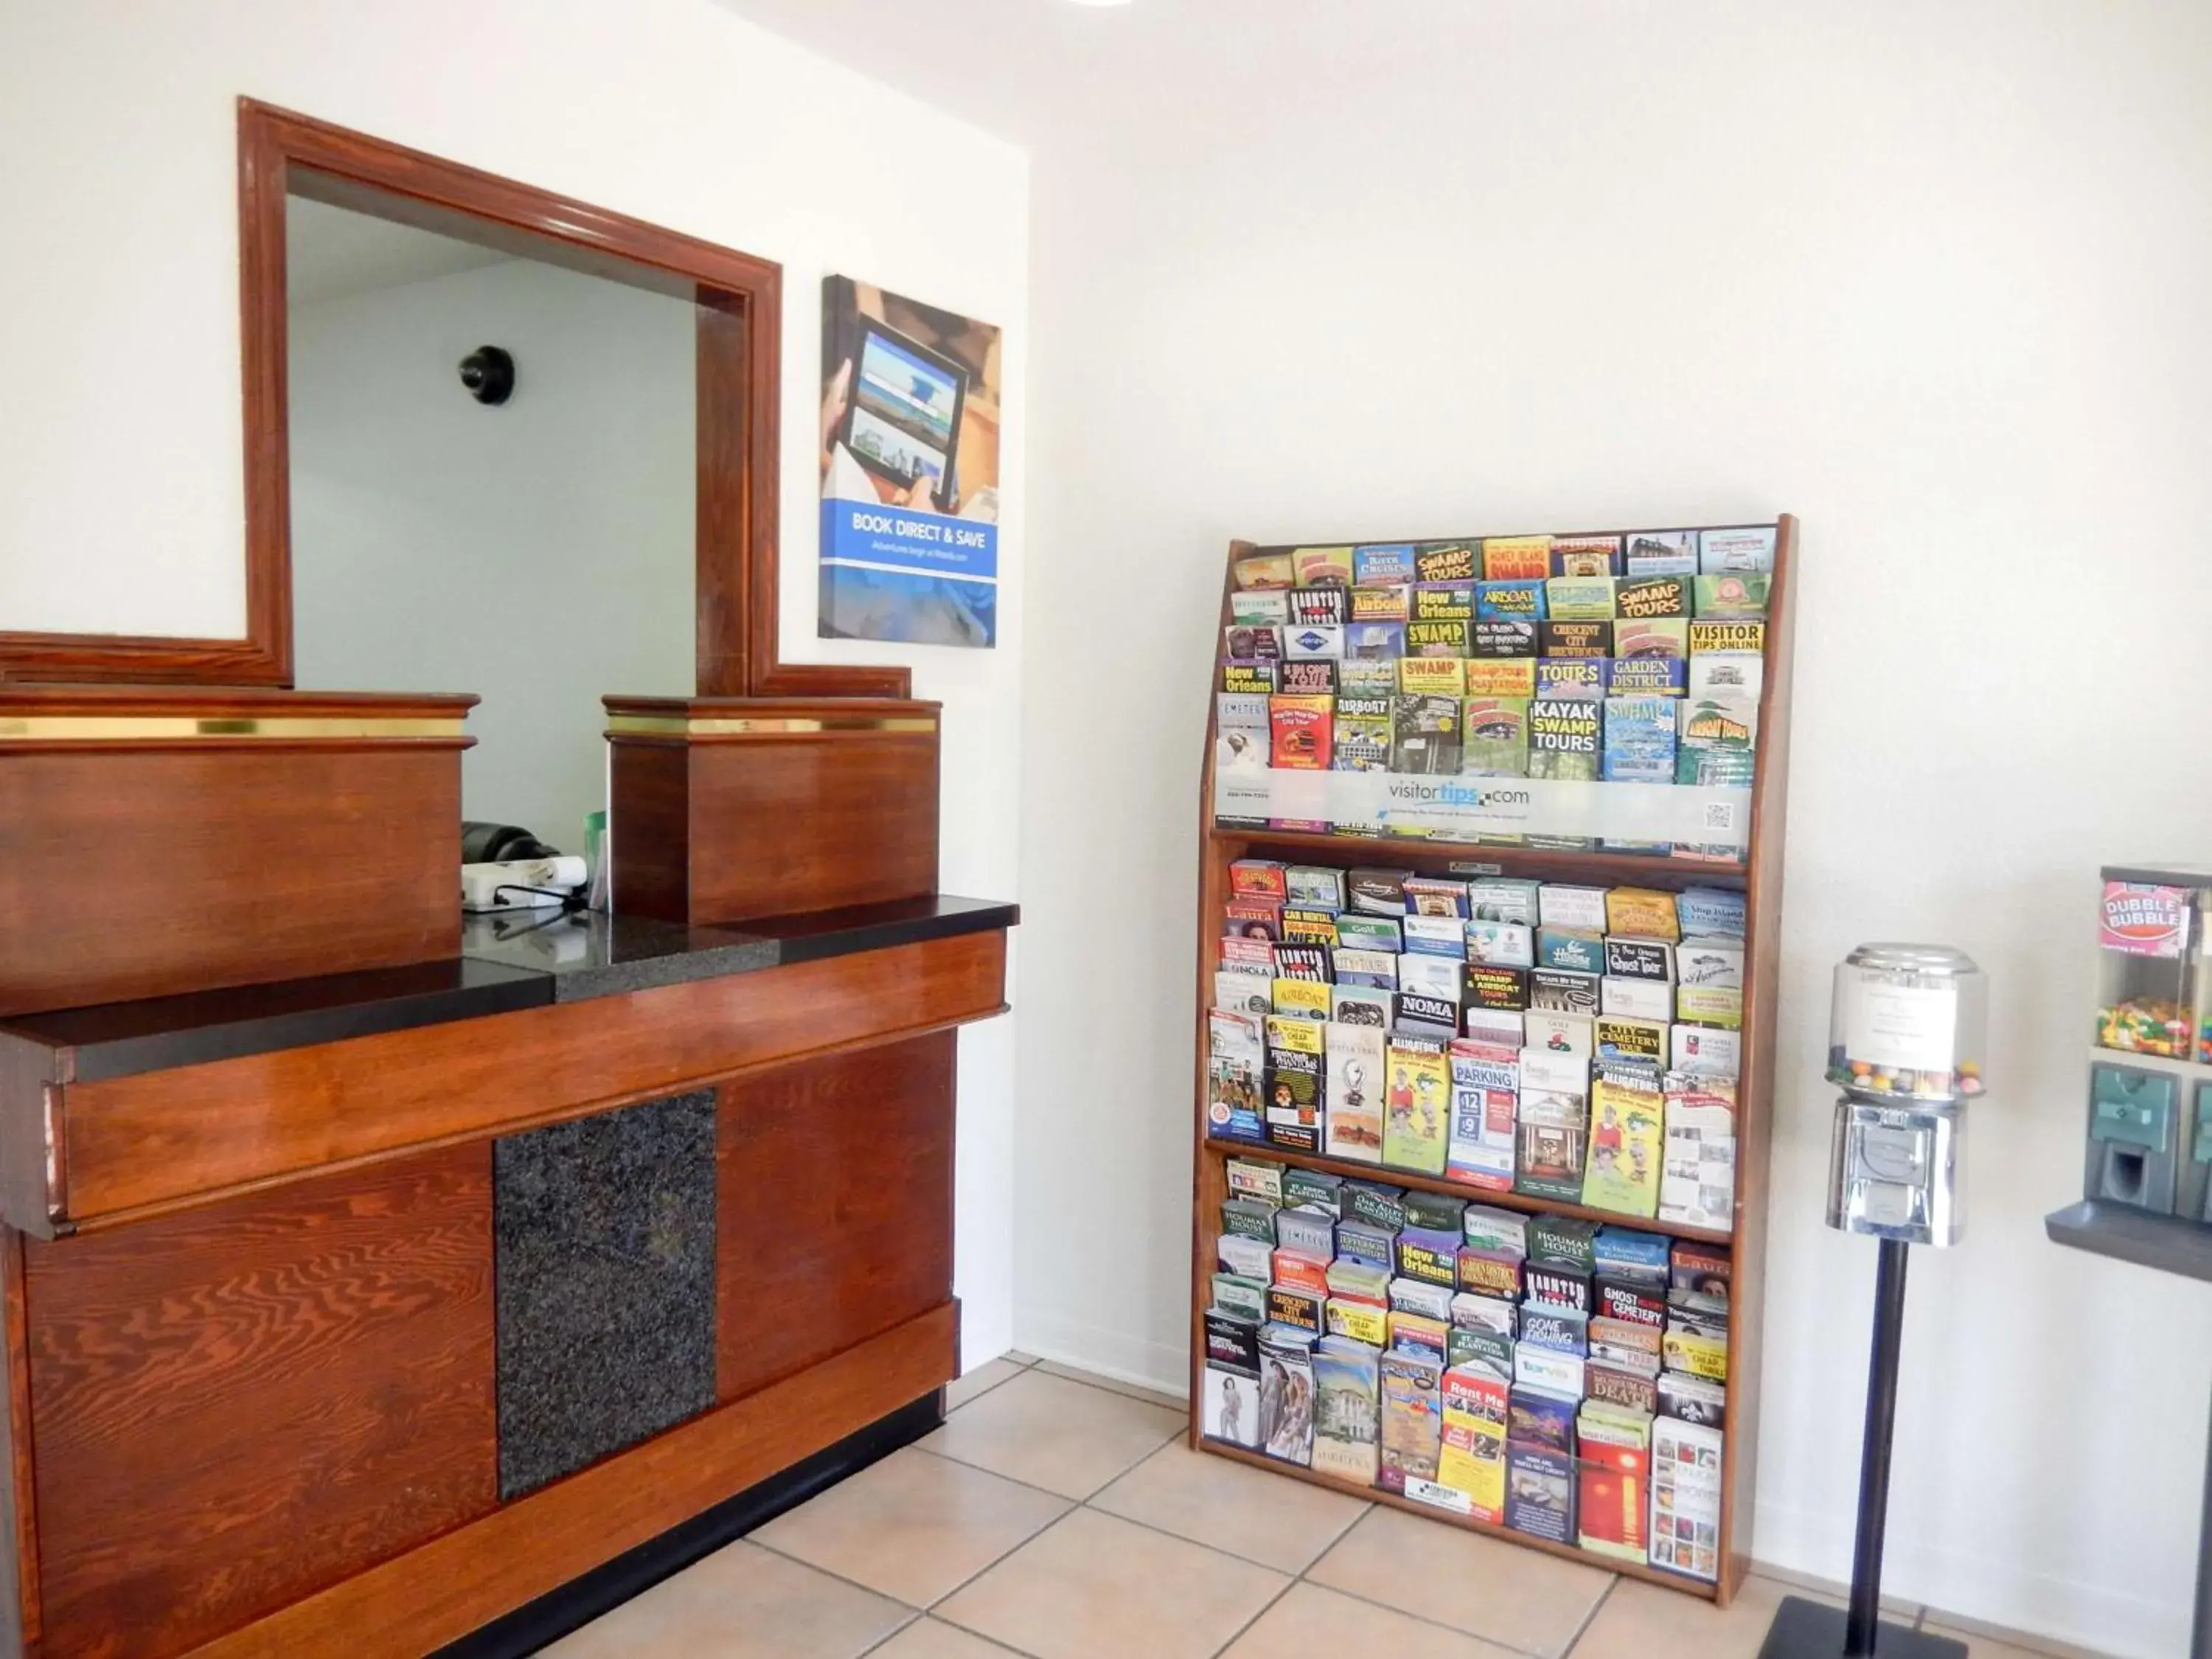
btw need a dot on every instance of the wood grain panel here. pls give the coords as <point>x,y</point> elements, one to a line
<point>449,1586</point>
<point>237,1407</point>
<point>21,1622</point>
<point>650,811</point>
<point>782,805</point>
<point>1755,1106</point>
<point>725,600</point>
<point>835,1199</point>
<point>199,1130</point>
<point>811,823</point>
<point>1208,1176</point>
<point>141,872</point>
<point>139,659</point>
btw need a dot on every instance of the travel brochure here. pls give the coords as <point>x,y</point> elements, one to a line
<point>1615,680</point>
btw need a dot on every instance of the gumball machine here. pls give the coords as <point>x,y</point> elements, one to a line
<point>1905,1044</point>
<point>1904,1041</point>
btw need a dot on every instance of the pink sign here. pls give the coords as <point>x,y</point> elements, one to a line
<point>2144,920</point>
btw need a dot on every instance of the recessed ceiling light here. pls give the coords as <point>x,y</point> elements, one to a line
<point>1102,3</point>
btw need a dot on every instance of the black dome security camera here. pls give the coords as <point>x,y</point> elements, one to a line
<point>488,374</point>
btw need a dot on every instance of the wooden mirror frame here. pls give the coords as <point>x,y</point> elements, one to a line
<point>740,357</point>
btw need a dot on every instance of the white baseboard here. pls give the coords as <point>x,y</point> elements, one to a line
<point>1984,1588</point>
<point>1106,1353</point>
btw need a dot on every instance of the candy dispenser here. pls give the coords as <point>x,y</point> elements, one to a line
<point>1908,1020</point>
<point>2150,982</point>
<point>1905,1040</point>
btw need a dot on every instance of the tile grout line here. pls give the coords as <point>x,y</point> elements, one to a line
<point>1501,1645</point>
<point>1031,1486</point>
<point>979,1393</point>
<point>991,1642</point>
<point>1590,1618</point>
<point>1236,1636</point>
<point>1073,1504</point>
<point>889,1635</point>
<point>1120,1391</point>
<point>1003,1555</point>
<point>1922,1612</point>
<point>827,1573</point>
<point>1367,1508</point>
<point>1091,1505</point>
<point>1109,1385</point>
<point>1291,1578</point>
<point>1073,1507</point>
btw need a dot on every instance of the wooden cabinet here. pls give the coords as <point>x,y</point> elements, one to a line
<point>258,1307</point>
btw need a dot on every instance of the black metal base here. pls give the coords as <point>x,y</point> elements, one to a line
<point>556,1614</point>
<point>1814,1630</point>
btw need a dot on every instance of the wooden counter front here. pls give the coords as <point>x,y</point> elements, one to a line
<point>263,1374</point>
<point>129,1145</point>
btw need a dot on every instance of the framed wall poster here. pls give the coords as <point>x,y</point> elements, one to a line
<point>909,471</point>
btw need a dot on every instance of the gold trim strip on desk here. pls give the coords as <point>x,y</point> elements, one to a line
<point>709,725</point>
<point>140,728</point>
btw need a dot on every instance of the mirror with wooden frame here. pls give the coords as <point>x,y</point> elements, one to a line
<point>286,159</point>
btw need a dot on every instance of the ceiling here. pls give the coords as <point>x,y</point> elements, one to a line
<point>330,252</point>
<point>1184,77</point>
<point>978,59</point>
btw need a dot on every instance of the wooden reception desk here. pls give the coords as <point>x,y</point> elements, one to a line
<point>433,1305</point>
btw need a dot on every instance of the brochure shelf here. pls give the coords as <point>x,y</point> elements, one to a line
<point>1754,871</point>
<point>1520,1201</point>
<point>1650,1574</point>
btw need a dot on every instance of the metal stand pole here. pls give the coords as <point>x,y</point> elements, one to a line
<point>1809,1630</point>
<point>2200,1640</point>
<point>1873,1457</point>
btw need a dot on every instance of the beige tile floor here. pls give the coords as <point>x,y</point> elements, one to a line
<point>1057,1516</point>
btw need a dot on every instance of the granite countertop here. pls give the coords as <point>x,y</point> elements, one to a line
<point>509,961</point>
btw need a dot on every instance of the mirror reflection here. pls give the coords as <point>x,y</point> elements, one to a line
<point>492,490</point>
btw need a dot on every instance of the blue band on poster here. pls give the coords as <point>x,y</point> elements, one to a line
<point>900,538</point>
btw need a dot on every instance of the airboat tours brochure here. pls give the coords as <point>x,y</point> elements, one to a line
<point>1575,692</point>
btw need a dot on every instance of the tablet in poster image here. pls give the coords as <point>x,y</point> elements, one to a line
<point>909,471</point>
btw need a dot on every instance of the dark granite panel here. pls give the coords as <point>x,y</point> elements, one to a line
<point>816,933</point>
<point>589,954</point>
<point>123,1039</point>
<point>605,1242</point>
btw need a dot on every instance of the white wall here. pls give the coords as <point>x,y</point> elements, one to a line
<point>120,499</point>
<point>1931,277</point>
<point>541,553</point>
